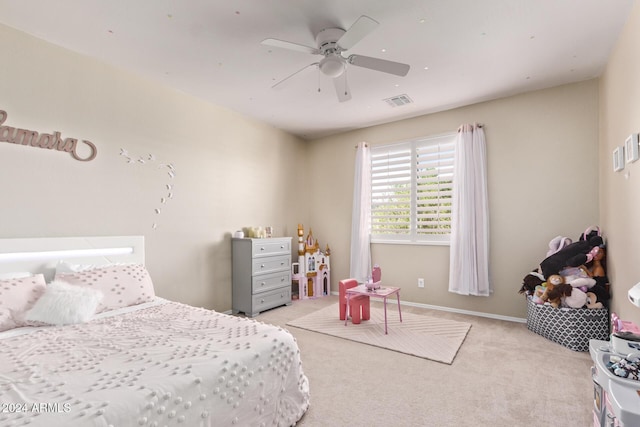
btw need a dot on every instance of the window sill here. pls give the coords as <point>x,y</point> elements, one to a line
<point>406,242</point>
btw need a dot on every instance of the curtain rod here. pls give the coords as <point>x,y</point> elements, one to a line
<point>474,125</point>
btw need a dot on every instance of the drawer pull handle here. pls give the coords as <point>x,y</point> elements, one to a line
<point>261,265</point>
<point>281,246</point>
<point>262,301</point>
<point>282,263</point>
<point>262,284</point>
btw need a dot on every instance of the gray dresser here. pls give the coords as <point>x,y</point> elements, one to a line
<point>261,274</point>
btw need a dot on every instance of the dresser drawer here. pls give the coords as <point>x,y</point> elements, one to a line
<point>271,299</point>
<point>267,247</point>
<point>271,264</point>
<point>267,282</point>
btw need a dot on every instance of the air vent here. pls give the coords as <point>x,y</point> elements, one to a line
<point>397,101</point>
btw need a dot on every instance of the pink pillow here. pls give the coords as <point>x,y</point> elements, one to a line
<point>121,285</point>
<point>16,297</point>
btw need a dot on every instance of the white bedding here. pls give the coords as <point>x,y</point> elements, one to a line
<point>158,364</point>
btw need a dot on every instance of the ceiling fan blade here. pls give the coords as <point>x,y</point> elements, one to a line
<point>342,88</point>
<point>363,26</point>
<point>290,46</point>
<point>378,64</point>
<point>279,84</point>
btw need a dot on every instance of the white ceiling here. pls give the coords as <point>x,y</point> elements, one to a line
<point>475,50</point>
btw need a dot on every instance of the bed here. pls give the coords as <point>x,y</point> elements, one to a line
<point>150,363</point>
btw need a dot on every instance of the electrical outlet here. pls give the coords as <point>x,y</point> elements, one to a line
<point>421,282</point>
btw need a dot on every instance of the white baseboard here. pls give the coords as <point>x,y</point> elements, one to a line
<point>460,311</point>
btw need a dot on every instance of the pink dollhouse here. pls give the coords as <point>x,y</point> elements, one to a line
<point>313,269</point>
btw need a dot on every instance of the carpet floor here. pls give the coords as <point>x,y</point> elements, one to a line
<point>503,376</point>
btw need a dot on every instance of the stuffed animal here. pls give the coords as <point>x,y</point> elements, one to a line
<point>558,243</point>
<point>555,280</point>
<point>563,294</point>
<point>597,266</point>
<point>573,255</point>
<point>575,299</point>
<point>530,282</point>
<point>555,291</point>
<point>551,294</point>
<point>601,292</point>
<point>539,294</point>
<point>582,283</point>
<point>592,301</point>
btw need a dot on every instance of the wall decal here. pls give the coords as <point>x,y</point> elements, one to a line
<point>150,159</point>
<point>43,140</point>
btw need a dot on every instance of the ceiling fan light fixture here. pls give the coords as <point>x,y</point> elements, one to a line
<point>332,66</point>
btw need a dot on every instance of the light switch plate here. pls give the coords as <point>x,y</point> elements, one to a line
<point>618,159</point>
<point>631,148</point>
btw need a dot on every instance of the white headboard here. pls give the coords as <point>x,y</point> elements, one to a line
<point>40,255</point>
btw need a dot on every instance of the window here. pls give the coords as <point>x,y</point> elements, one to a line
<point>411,186</point>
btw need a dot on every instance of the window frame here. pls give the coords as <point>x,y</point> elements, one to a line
<point>445,142</point>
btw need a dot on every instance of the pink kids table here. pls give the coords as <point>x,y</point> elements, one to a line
<point>383,293</point>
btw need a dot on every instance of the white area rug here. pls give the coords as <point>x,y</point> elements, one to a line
<point>418,335</point>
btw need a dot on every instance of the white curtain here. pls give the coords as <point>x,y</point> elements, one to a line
<point>360,215</point>
<point>469,250</point>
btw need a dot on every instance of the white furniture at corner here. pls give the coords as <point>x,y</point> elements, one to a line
<point>616,401</point>
<point>261,274</point>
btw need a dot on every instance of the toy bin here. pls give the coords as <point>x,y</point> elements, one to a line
<point>570,327</point>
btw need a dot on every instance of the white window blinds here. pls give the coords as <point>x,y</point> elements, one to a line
<point>411,190</point>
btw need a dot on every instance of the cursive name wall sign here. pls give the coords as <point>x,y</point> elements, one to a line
<point>43,140</point>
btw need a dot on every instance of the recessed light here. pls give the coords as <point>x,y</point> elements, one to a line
<point>422,20</point>
<point>383,50</point>
<point>426,68</point>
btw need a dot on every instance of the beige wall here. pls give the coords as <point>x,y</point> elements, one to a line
<point>620,191</point>
<point>230,171</point>
<point>543,181</point>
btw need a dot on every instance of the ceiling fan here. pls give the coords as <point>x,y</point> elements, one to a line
<point>331,43</point>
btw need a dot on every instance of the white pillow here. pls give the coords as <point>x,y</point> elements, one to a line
<point>64,304</point>
<point>16,297</point>
<point>121,285</point>
<point>16,275</point>
<point>67,267</point>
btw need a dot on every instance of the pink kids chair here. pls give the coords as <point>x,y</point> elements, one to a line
<point>359,304</point>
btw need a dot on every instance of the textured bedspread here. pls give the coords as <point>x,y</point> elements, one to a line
<point>166,364</point>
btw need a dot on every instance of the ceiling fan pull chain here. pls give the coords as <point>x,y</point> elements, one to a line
<point>346,84</point>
